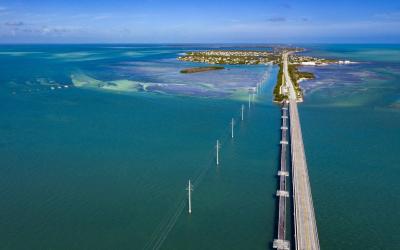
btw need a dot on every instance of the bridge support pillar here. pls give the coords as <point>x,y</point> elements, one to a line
<point>282,193</point>
<point>281,244</point>
<point>283,173</point>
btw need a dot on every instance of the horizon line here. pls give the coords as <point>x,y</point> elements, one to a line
<point>196,43</point>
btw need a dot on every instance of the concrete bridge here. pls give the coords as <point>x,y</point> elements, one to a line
<point>305,227</point>
<point>282,193</point>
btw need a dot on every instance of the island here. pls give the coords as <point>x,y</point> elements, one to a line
<point>230,57</point>
<point>267,56</point>
<point>200,69</point>
<point>280,93</point>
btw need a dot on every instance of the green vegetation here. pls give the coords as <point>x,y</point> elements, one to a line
<point>299,59</point>
<point>296,75</point>
<point>231,57</point>
<point>278,96</point>
<point>200,69</point>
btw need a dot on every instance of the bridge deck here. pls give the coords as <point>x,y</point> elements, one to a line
<point>306,234</point>
<point>305,227</point>
<point>280,242</point>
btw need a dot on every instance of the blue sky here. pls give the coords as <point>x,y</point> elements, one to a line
<point>173,21</point>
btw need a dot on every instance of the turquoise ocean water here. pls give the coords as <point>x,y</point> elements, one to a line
<point>97,143</point>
